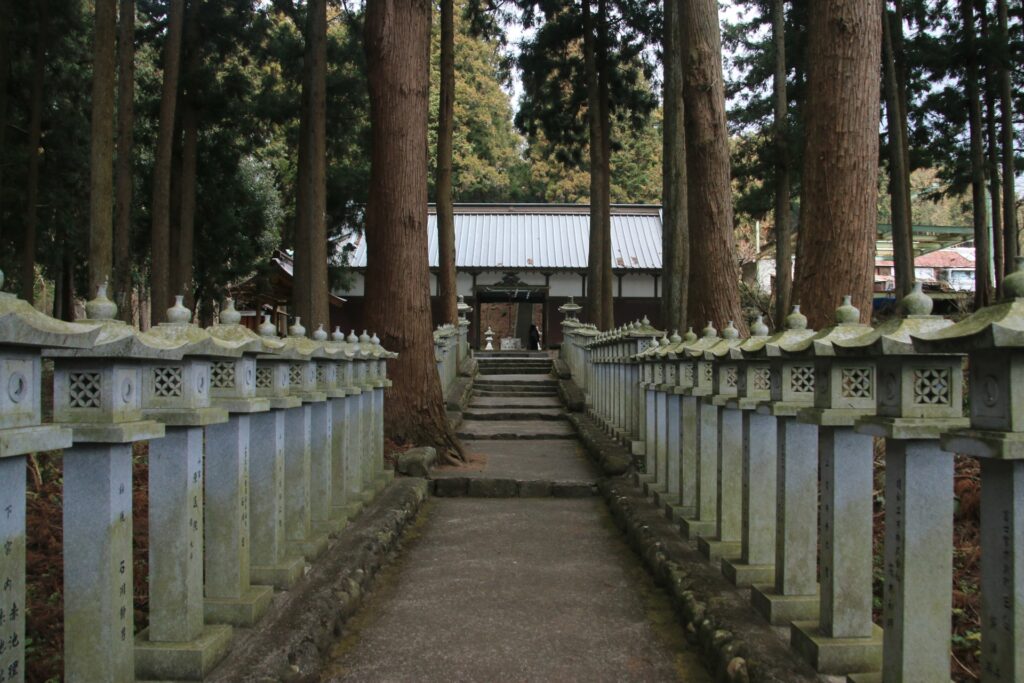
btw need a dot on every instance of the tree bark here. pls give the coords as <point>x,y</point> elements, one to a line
<point>783,243</point>
<point>607,278</point>
<point>397,36</point>
<point>840,177</point>
<point>1009,236</point>
<point>101,158</point>
<point>160,231</point>
<point>187,202</point>
<point>994,182</point>
<point>319,307</point>
<point>123,175</point>
<point>35,129</point>
<point>446,276</point>
<point>983,254</point>
<point>595,269</point>
<point>5,70</point>
<point>675,227</point>
<point>300,236</point>
<point>902,239</point>
<point>714,278</point>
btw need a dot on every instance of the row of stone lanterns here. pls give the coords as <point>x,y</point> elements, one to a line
<point>258,448</point>
<point>762,450</point>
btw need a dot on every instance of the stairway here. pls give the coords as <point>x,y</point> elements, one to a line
<point>514,363</point>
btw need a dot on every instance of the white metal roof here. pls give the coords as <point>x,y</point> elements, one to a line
<point>540,237</point>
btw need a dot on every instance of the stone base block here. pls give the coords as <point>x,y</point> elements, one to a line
<point>330,527</point>
<point>642,479</point>
<point>836,656</point>
<point>653,488</point>
<point>714,550</point>
<point>864,678</point>
<point>189,661</point>
<point>309,548</point>
<point>781,610</point>
<point>664,499</point>
<point>677,513</point>
<point>243,611</point>
<point>694,528</point>
<point>638,447</point>
<point>348,511</point>
<point>741,574</point>
<point>281,576</point>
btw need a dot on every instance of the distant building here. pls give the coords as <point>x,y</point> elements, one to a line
<point>949,269</point>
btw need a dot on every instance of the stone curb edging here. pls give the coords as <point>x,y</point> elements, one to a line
<point>488,487</point>
<point>295,637</point>
<point>572,396</point>
<point>613,459</point>
<point>734,642</point>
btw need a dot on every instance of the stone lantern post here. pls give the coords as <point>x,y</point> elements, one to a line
<point>648,417</point>
<point>667,489</point>
<point>918,397</point>
<point>344,462</point>
<point>98,394</point>
<point>377,357</point>
<point>844,640</point>
<point>726,541</point>
<point>178,643</point>
<point>680,498</point>
<point>323,511</point>
<point>699,438</point>
<point>756,563</point>
<point>794,594</point>
<point>994,341</point>
<point>24,332</point>
<point>270,561</point>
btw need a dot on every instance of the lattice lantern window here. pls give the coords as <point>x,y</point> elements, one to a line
<point>177,386</point>
<point>271,377</point>
<point>90,391</point>
<point>845,385</point>
<point>705,375</point>
<point>728,379</point>
<point>233,378</point>
<point>686,370</point>
<point>756,381</point>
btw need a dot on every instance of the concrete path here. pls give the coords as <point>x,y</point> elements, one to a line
<point>516,589</point>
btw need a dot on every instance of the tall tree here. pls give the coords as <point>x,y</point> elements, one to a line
<point>902,235</point>
<point>183,242</point>
<point>714,277</point>
<point>1009,236</point>
<point>675,227</point>
<point>160,230</point>
<point>123,173</point>
<point>840,177</point>
<point>445,131</point>
<point>397,35</point>
<point>783,243</point>
<point>983,254</point>
<point>5,71</point>
<point>597,258</point>
<point>604,66</point>
<point>35,131</point>
<point>311,288</point>
<point>101,162</point>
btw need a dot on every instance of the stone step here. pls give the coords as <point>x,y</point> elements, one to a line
<point>515,430</point>
<point>490,383</point>
<point>515,366</point>
<point>521,370</point>
<point>503,402</point>
<point>484,355</point>
<point>514,414</point>
<point>515,392</point>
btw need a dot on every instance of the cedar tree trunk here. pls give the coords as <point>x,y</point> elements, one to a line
<point>1009,235</point>
<point>446,280</point>
<point>35,128</point>
<point>902,239</point>
<point>596,258</point>
<point>101,157</point>
<point>675,236</point>
<point>714,277</point>
<point>840,178</point>
<point>607,278</point>
<point>319,312</point>
<point>783,243</point>
<point>397,35</point>
<point>123,172</point>
<point>160,231</point>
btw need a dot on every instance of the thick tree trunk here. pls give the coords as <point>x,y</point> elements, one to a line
<point>443,183</point>
<point>123,170</point>
<point>595,269</point>
<point>397,35</point>
<point>608,279</point>
<point>187,203</point>
<point>840,177</point>
<point>675,276</point>
<point>994,182</point>
<point>714,278</point>
<point>902,240</point>
<point>160,231</point>
<point>1009,236</point>
<point>101,158</point>
<point>5,70</point>
<point>319,307</point>
<point>35,128</point>
<point>783,243</point>
<point>300,235</point>
<point>983,253</point>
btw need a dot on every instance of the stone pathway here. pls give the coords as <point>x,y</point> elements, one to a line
<point>516,589</point>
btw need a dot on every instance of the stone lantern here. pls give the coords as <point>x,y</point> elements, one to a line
<point>993,339</point>
<point>178,644</point>
<point>679,499</point>
<point>647,432</point>
<point>24,332</point>
<point>844,640</point>
<point>377,357</point>
<point>271,563</point>
<point>793,596</point>
<point>699,437</point>
<point>464,310</point>
<point>725,544</point>
<point>756,563</point>
<point>345,474</point>
<point>97,394</point>
<point>919,396</point>
<point>307,430</point>
<point>666,485</point>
